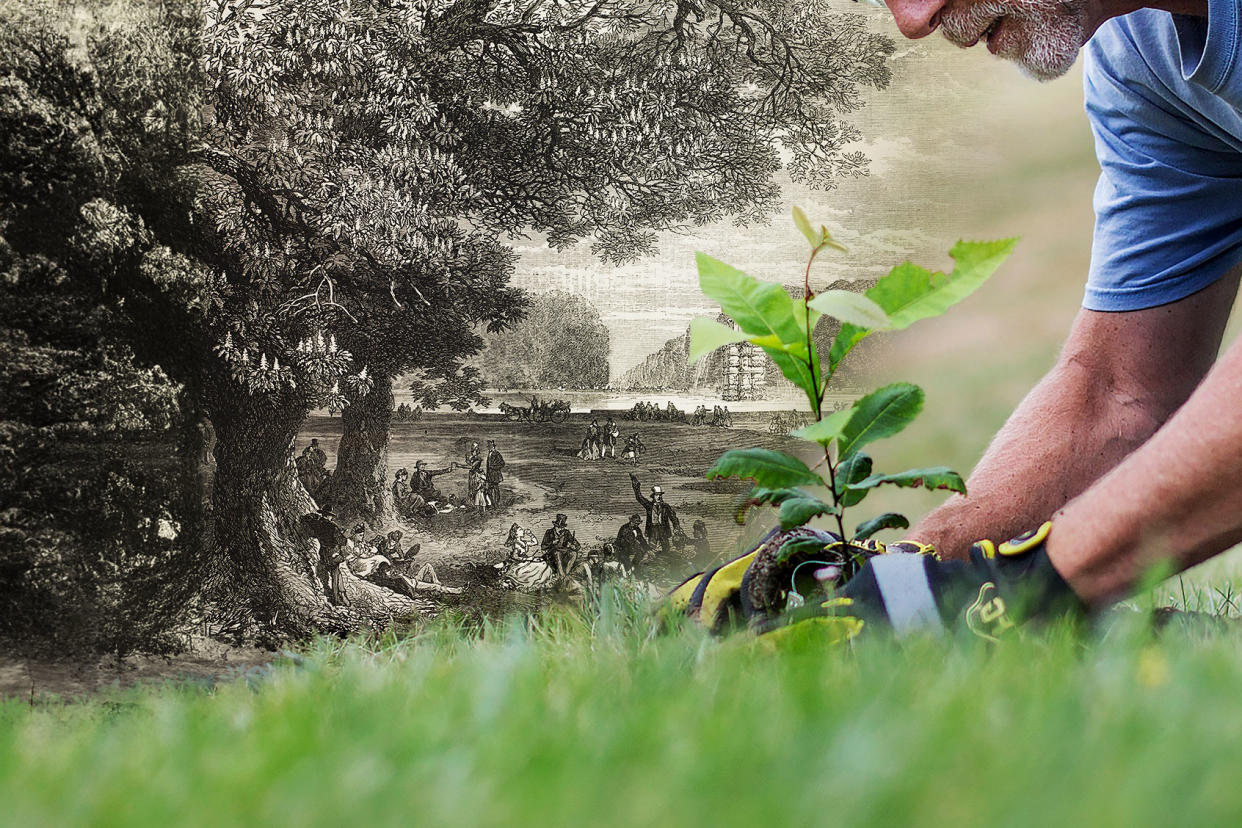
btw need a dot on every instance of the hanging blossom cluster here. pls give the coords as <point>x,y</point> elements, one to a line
<point>316,365</point>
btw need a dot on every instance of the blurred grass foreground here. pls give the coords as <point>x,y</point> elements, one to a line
<point>584,717</point>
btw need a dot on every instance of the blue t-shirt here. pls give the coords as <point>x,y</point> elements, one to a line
<point>1164,98</point>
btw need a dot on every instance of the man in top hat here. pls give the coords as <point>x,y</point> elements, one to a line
<point>559,545</point>
<point>662,521</point>
<point>611,433</point>
<point>495,473</point>
<point>315,454</point>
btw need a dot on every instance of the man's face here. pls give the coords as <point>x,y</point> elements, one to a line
<point>1042,36</point>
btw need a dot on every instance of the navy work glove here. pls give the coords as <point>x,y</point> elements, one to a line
<point>758,587</point>
<point>997,589</point>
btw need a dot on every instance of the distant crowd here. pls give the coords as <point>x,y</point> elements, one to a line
<point>718,416</point>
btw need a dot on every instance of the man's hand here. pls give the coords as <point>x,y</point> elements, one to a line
<point>903,588</point>
<point>1120,376</point>
<point>996,589</point>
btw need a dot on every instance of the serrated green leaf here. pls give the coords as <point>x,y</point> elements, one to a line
<point>852,469</point>
<point>844,342</point>
<point>769,469</point>
<point>759,308</point>
<point>829,428</point>
<point>706,335</point>
<point>795,370</point>
<point>882,413</point>
<point>796,511</point>
<point>804,226</point>
<point>888,520</point>
<point>936,477</point>
<point>854,308</point>
<point>910,293</point>
<point>761,497</point>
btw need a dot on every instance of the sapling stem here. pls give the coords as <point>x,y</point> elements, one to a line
<point>817,397</point>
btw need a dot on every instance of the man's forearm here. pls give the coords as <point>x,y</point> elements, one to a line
<point>1175,501</point>
<point>1064,436</point>
<point>1120,376</point>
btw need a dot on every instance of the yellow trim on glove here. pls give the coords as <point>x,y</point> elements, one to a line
<point>723,585</point>
<point>985,547</point>
<point>679,598</point>
<point>1025,542</point>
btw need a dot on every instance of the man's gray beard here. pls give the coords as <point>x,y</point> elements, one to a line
<point>1056,31</point>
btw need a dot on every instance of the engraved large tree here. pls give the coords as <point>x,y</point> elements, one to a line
<point>326,188</point>
<point>612,120</point>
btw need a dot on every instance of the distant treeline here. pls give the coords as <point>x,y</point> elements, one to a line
<point>562,343</point>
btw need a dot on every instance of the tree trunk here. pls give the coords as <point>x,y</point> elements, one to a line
<point>273,574</point>
<point>193,501</point>
<point>359,488</point>
<point>198,469</point>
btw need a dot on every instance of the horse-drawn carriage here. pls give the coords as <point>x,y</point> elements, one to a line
<point>556,411</point>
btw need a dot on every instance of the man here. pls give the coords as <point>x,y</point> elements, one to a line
<point>559,545</point>
<point>422,481</point>
<point>611,433</point>
<point>1149,424</point>
<point>332,542</point>
<point>495,474</point>
<point>316,455</point>
<point>631,546</point>
<point>662,522</point>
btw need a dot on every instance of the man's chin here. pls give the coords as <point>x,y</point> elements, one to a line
<point>1043,74</point>
<point>1045,65</point>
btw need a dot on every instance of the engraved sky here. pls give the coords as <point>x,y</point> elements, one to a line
<point>929,139</point>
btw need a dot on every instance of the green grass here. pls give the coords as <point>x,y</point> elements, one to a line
<point>585,718</point>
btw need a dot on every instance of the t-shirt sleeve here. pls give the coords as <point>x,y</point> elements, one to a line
<point>1168,203</point>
